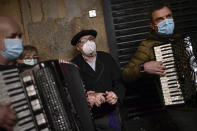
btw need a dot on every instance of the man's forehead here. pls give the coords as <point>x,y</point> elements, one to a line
<point>161,12</point>
<point>9,27</point>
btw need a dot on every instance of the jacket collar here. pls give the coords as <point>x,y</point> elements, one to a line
<point>87,69</point>
<point>164,38</point>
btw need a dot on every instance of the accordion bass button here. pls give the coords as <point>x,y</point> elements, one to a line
<point>40,119</point>
<point>31,90</point>
<point>35,105</point>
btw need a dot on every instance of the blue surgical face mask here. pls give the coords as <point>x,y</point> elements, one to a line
<point>166,27</point>
<point>13,48</point>
<point>30,61</point>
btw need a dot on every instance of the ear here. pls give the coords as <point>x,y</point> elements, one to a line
<point>154,27</point>
<point>78,48</point>
<point>2,44</point>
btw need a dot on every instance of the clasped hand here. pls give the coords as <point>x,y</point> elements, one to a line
<point>99,98</point>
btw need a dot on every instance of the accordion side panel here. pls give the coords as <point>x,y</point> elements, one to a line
<point>48,97</point>
<point>71,73</point>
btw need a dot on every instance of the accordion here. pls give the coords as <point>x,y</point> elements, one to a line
<point>179,84</point>
<point>48,97</point>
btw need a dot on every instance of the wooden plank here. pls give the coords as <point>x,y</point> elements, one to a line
<point>26,19</point>
<point>49,8</point>
<point>36,10</point>
<point>61,9</point>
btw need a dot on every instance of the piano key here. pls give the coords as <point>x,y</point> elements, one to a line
<point>27,126</point>
<point>176,94</point>
<point>168,59</point>
<point>10,90</point>
<point>168,56</point>
<point>21,108</point>
<point>178,102</point>
<point>25,120</point>
<point>12,80</point>
<point>166,49</point>
<point>174,86</point>
<point>172,79</point>
<point>15,92</point>
<point>17,98</point>
<point>172,76</point>
<point>171,89</point>
<point>13,86</point>
<point>177,98</point>
<point>164,54</point>
<point>19,103</point>
<point>23,114</point>
<point>9,71</point>
<point>170,66</point>
<point>170,71</point>
<point>169,63</point>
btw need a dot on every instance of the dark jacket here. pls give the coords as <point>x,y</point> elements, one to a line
<point>107,77</point>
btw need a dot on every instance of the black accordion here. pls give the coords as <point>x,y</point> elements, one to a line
<point>179,85</point>
<point>48,97</point>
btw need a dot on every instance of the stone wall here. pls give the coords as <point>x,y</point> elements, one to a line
<point>50,24</point>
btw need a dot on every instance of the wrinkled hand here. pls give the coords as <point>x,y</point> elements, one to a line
<point>99,99</point>
<point>91,98</point>
<point>155,67</point>
<point>7,117</point>
<point>111,97</point>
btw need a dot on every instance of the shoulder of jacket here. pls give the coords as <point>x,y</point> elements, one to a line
<point>102,53</point>
<point>76,58</point>
<point>149,43</point>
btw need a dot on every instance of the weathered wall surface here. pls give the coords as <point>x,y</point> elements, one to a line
<point>50,24</point>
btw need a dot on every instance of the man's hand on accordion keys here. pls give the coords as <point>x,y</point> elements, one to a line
<point>154,67</point>
<point>7,117</point>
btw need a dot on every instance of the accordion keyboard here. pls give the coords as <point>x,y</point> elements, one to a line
<point>12,90</point>
<point>170,85</point>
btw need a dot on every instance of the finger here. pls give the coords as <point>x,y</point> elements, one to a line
<point>114,102</point>
<point>107,92</point>
<point>110,95</point>
<point>102,98</point>
<point>159,70</point>
<point>98,103</point>
<point>91,103</point>
<point>90,92</point>
<point>8,104</point>
<point>161,67</point>
<point>7,127</point>
<point>160,73</point>
<point>10,123</point>
<point>160,62</point>
<point>109,99</point>
<point>12,115</point>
